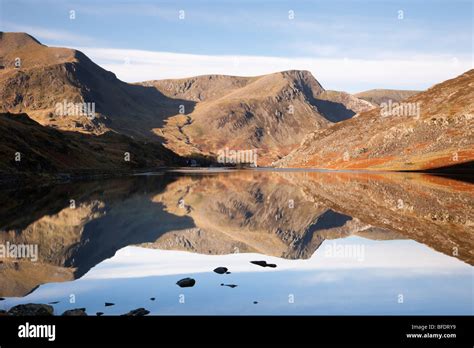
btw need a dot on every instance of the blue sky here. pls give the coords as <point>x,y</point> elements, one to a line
<point>147,40</point>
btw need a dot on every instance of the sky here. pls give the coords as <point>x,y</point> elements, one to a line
<point>350,45</point>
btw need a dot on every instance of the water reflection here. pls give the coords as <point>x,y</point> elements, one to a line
<point>280,216</point>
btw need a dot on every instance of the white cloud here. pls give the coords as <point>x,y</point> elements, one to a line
<point>352,75</point>
<point>133,262</point>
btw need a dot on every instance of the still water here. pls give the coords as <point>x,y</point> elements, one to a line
<point>342,243</point>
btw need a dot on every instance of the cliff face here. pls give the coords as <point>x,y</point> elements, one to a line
<point>429,130</point>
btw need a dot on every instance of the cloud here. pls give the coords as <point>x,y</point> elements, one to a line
<point>418,259</point>
<point>352,75</point>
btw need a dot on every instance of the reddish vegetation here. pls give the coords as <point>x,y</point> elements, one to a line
<point>442,135</point>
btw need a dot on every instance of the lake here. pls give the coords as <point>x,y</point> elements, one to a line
<point>334,243</point>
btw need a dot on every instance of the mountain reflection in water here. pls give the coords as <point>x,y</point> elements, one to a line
<point>343,243</point>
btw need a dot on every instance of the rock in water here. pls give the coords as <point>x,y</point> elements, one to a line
<point>221,270</point>
<point>78,312</point>
<point>31,309</point>
<point>229,285</point>
<point>108,304</point>
<point>139,312</point>
<point>99,314</point>
<point>263,264</point>
<point>152,298</point>
<point>186,282</point>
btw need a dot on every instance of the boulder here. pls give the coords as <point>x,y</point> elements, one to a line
<point>31,309</point>
<point>186,282</point>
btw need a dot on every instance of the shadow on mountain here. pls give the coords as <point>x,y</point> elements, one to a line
<point>334,112</point>
<point>48,151</point>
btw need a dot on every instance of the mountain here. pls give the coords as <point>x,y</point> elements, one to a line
<point>270,113</point>
<point>432,129</point>
<point>338,106</point>
<point>193,116</point>
<point>379,96</point>
<point>49,77</point>
<point>26,147</point>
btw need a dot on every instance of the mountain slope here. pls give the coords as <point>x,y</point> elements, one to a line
<point>197,116</point>
<point>28,147</point>
<point>338,106</point>
<point>270,113</point>
<point>441,136</point>
<point>48,76</point>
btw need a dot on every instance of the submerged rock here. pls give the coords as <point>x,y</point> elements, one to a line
<point>263,264</point>
<point>139,312</point>
<point>221,270</point>
<point>77,312</point>
<point>255,302</point>
<point>108,304</point>
<point>31,309</point>
<point>186,282</point>
<point>152,298</point>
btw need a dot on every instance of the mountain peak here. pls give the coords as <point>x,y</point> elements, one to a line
<point>16,40</point>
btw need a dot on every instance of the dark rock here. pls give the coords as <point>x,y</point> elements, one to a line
<point>2,299</point>
<point>3,313</point>
<point>221,270</point>
<point>55,302</point>
<point>229,285</point>
<point>227,272</point>
<point>78,312</point>
<point>153,299</point>
<point>108,304</point>
<point>31,309</point>
<point>139,312</point>
<point>186,282</point>
<point>255,302</point>
<point>99,314</point>
<point>263,264</point>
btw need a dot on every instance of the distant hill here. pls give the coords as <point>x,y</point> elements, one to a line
<point>379,96</point>
<point>271,113</point>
